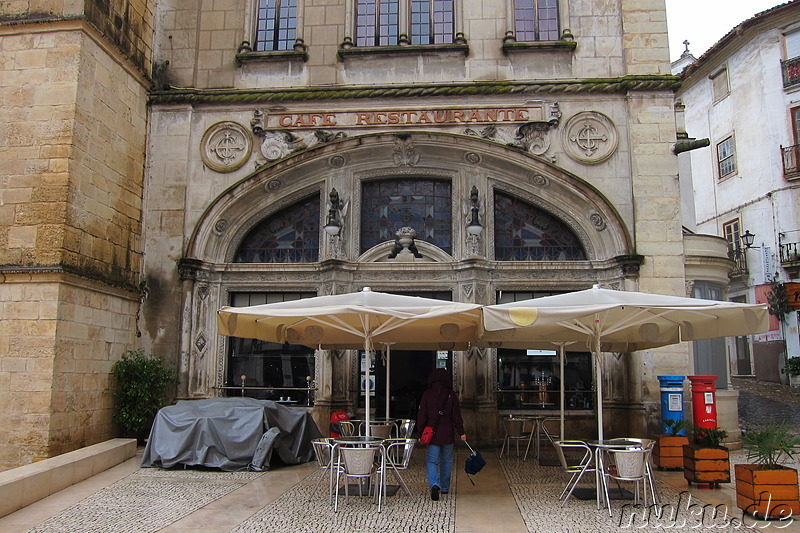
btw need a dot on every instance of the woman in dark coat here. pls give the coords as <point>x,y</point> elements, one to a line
<point>446,425</point>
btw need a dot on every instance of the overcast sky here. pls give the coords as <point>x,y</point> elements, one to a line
<point>704,22</point>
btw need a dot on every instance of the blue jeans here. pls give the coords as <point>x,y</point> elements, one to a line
<point>440,465</point>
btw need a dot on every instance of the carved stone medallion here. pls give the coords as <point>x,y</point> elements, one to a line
<point>590,137</point>
<point>225,146</point>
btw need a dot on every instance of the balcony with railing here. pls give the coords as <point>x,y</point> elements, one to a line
<point>790,257</point>
<point>791,71</point>
<point>791,162</point>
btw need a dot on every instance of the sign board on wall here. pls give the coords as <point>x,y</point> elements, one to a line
<point>793,293</point>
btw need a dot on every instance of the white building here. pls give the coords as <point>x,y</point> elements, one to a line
<point>743,95</point>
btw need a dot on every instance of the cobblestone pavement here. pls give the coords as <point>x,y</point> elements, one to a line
<point>146,501</point>
<point>150,500</point>
<point>763,401</point>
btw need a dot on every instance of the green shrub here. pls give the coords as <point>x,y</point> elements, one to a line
<point>139,391</point>
<point>674,426</point>
<point>770,446</point>
<point>709,437</point>
<point>793,366</point>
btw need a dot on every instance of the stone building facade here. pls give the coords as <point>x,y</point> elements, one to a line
<point>284,150</point>
<point>72,144</point>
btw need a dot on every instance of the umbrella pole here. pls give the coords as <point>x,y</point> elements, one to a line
<point>388,372</point>
<point>599,378</point>
<point>367,388</point>
<point>561,379</point>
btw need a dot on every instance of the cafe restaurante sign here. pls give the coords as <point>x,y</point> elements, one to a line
<point>411,117</point>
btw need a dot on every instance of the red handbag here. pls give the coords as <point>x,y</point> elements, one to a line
<point>428,431</point>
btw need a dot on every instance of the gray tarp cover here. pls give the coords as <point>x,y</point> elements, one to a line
<point>224,433</point>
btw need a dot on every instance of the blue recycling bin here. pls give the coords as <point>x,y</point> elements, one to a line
<point>671,400</point>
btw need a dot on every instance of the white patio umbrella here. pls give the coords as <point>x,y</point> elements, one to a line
<point>616,321</point>
<point>361,320</point>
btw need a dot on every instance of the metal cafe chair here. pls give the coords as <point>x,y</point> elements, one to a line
<point>398,457</point>
<point>348,428</point>
<point>567,450</point>
<point>382,430</point>
<point>515,431</point>
<point>626,464</point>
<point>363,463</point>
<point>647,445</point>
<point>405,428</point>
<point>323,451</point>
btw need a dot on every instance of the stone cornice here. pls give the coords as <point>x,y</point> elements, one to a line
<point>46,24</point>
<point>64,274</point>
<point>623,85</point>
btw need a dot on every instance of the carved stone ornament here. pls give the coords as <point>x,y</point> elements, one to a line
<point>279,144</point>
<point>225,146</point>
<point>404,154</point>
<point>533,137</point>
<point>598,221</point>
<point>590,137</point>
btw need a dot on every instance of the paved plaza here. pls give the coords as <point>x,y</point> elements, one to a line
<point>509,495</point>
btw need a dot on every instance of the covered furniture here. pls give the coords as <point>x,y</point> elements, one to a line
<point>225,433</point>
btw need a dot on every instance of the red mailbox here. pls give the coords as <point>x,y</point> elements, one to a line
<point>704,401</point>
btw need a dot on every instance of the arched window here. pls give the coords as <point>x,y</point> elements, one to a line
<point>289,236</point>
<point>421,204</point>
<point>523,232</point>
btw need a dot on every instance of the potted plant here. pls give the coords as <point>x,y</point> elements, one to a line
<point>668,451</point>
<point>766,488</point>
<point>793,371</point>
<point>707,460</point>
<point>139,391</point>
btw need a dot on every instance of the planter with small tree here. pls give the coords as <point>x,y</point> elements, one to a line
<point>668,450</point>
<point>139,390</point>
<point>706,460</point>
<point>793,371</point>
<point>767,489</point>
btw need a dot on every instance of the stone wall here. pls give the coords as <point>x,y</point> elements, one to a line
<point>60,337</point>
<point>128,24</point>
<point>70,224</point>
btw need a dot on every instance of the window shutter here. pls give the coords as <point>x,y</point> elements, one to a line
<point>792,45</point>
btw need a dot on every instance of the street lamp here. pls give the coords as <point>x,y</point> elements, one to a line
<point>474,227</point>
<point>333,226</point>
<point>747,239</point>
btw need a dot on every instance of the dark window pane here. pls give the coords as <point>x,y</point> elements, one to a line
<point>271,370</point>
<point>524,232</point>
<point>289,236</point>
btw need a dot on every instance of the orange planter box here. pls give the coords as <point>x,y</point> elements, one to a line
<point>766,492</point>
<point>668,451</point>
<point>706,465</point>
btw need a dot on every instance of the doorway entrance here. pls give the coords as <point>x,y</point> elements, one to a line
<point>408,380</point>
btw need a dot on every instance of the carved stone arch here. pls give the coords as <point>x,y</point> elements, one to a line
<point>430,253</point>
<point>466,160</point>
<point>249,222</point>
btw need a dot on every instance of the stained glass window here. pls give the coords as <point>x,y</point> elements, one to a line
<point>289,236</point>
<point>276,25</point>
<point>421,204</point>
<point>523,232</point>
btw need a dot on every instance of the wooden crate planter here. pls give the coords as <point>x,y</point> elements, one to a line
<point>767,492</point>
<point>668,451</point>
<point>706,465</point>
